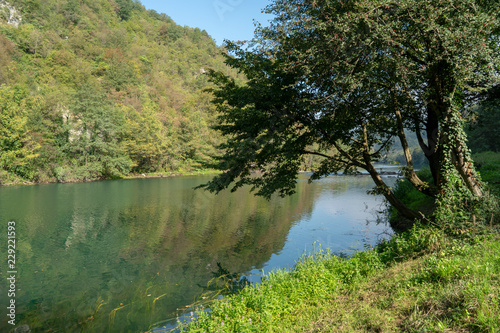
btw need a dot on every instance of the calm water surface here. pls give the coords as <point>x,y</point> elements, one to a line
<point>125,256</point>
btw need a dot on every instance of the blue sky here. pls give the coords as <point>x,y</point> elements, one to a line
<point>222,19</point>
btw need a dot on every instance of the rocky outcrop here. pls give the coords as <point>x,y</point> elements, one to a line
<point>9,14</point>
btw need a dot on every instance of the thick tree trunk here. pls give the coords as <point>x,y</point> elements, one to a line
<point>452,146</point>
<point>468,174</point>
<point>438,109</point>
<point>465,167</point>
<point>432,149</point>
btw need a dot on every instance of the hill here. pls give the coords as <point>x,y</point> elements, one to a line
<point>101,89</point>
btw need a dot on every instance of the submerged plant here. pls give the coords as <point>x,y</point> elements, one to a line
<point>226,283</point>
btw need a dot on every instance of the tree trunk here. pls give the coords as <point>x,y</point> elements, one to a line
<point>462,164</point>
<point>453,140</point>
<point>432,150</point>
<point>410,174</point>
<point>468,173</point>
<point>386,191</point>
<point>382,187</point>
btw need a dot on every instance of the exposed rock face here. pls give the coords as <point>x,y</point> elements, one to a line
<point>9,14</point>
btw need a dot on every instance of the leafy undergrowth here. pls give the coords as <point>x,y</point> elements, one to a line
<point>420,281</point>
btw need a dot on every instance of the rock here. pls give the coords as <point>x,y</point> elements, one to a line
<point>9,14</point>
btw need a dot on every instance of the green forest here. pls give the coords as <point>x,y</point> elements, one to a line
<point>101,89</point>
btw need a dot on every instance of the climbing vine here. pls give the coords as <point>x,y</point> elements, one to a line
<point>459,210</point>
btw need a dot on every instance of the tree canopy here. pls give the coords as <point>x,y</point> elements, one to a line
<point>342,79</point>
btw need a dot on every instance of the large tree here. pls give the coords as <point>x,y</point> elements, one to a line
<point>341,79</point>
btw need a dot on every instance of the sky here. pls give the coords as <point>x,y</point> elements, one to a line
<point>222,19</point>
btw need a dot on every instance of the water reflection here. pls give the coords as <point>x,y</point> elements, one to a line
<point>343,218</point>
<point>120,256</point>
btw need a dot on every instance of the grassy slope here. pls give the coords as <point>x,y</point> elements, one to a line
<point>443,291</point>
<point>421,281</point>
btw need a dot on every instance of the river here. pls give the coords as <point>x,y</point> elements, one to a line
<point>127,255</point>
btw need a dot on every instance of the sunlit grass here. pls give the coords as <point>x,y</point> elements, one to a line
<point>421,281</point>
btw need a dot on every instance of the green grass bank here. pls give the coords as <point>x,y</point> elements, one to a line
<point>419,281</point>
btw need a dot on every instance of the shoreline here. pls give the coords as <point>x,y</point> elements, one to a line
<point>127,177</point>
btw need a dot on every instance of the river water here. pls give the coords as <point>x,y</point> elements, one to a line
<point>127,255</point>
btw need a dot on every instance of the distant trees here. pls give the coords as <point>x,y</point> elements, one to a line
<point>18,150</point>
<point>125,8</point>
<point>71,11</point>
<point>147,141</point>
<point>94,132</point>
<point>170,32</point>
<point>7,49</point>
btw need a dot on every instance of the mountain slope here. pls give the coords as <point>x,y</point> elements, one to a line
<point>99,89</point>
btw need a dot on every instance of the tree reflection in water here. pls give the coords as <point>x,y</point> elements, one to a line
<point>122,256</point>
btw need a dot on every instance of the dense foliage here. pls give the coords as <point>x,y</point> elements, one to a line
<point>342,79</point>
<point>98,89</point>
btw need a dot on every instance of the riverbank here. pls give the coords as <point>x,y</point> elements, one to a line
<point>172,174</point>
<point>421,280</point>
<point>20,182</point>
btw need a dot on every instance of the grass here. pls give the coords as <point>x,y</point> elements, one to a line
<point>10,179</point>
<point>160,174</point>
<point>420,281</point>
<point>488,165</point>
<point>440,292</point>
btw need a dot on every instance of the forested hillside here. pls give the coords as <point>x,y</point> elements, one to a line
<point>99,89</point>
